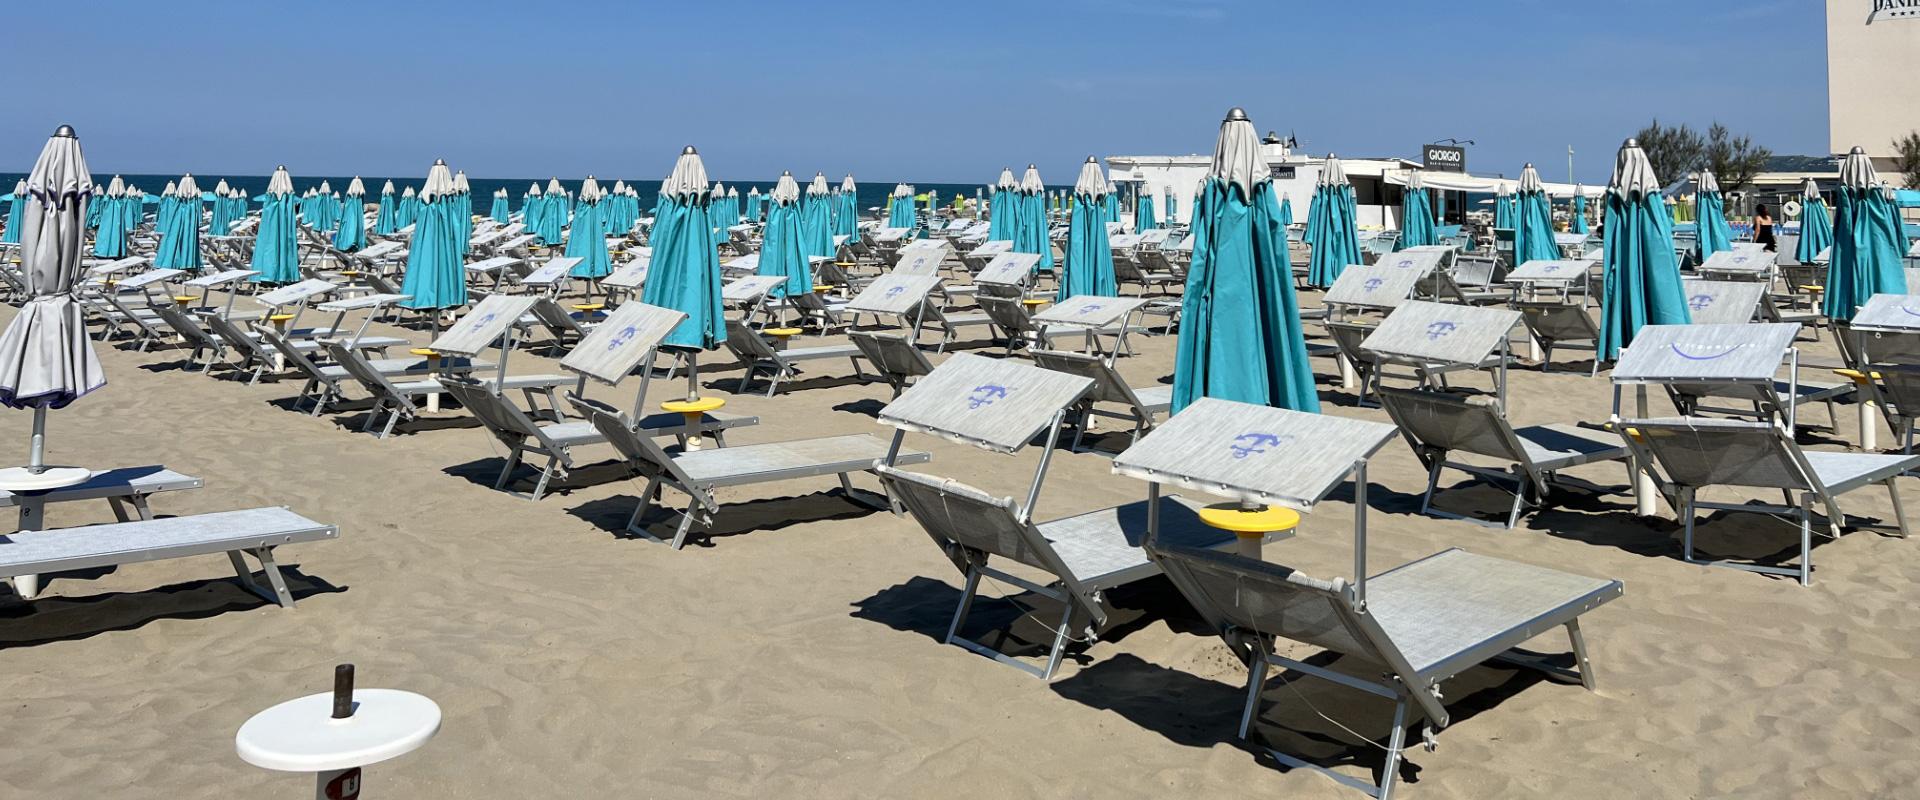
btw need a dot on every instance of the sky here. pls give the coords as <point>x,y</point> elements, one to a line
<point>889,91</point>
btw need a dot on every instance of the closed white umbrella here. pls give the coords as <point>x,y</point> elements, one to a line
<point>46,359</point>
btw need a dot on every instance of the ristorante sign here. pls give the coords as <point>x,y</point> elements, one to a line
<point>1894,10</point>
<point>1442,158</point>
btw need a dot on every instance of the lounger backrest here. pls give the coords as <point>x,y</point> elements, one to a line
<point>1007,312</point>
<point>891,353</point>
<point>357,366</point>
<point>1474,271</point>
<point>503,419</point>
<point>293,355</point>
<point>748,345</point>
<point>1347,336</point>
<point>1901,385</point>
<point>1452,422</point>
<point>554,317</point>
<point>238,339</point>
<point>1697,452</point>
<point>641,453</point>
<point>954,513</point>
<point>187,328</point>
<point>1886,347</point>
<point>1234,592</point>
<point>1108,386</point>
<point>1558,321</point>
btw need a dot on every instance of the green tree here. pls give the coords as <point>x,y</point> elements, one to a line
<point>1674,150</point>
<point>1907,158</point>
<point>1735,160</point>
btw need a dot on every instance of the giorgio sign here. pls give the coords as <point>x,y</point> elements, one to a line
<point>1446,158</point>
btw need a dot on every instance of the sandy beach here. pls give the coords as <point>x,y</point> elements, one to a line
<point>796,652</point>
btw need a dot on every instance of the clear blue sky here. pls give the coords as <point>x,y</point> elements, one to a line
<point>889,90</point>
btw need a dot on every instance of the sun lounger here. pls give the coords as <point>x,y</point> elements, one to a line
<point>1140,406</point>
<point>1697,364</point>
<point>780,364</point>
<point>1695,453</point>
<point>254,532</point>
<point>1438,425</point>
<point>1555,324</point>
<point>893,356</point>
<point>1418,625</point>
<point>1728,302</point>
<point>122,488</point>
<point>1440,338</point>
<point>700,473</point>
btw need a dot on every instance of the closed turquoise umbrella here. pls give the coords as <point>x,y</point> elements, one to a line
<point>15,202</point>
<point>900,208</point>
<point>1109,204</point>
<point>386,220</point>
<point>436,279</point>
<point>500,212</point>
<point>408,213</point>
<point>1533,223</point>
<point>685,272</point>
<point>1002,210</point>
<point>352,234</point>
<point>1816,227</point>
<point>1332,226</point>
<point>110,239</point>
<point>554,210</point>
<point>1868,244</point>
<point>1579,213</point>
<point>276,255</point>
<point>719,213</point>
<point>179,228</point>
<point>1641,282</point>
<point>1173,206</point>
<point>222,212</point>
<point>1416,215</point>
<point>1503,206</point>
<point>1710,212</point>
<point>753,206</point>
<point>783,250</point>
<point>1286,212</point>
<point>736,214</point>
<point>530,206</point>
<point>1143,219</point>
<point>1088,267</point>
<point>816,218</point>
<point>463,210</point>
<point>846,209</point>
<point>329,216</point>
<point>1030,228</point>
<point>587,239</point>
<point>1240,336</point>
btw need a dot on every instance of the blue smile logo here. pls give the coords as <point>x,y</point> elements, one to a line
<point>1439,330</point>
<point>1372,284</point>
<point>1699,302</point>
<point>1248,444</point>
<point>1724,351</point>
<point>985,395</point>
<point>1910,311</point>
<point>626,334</point>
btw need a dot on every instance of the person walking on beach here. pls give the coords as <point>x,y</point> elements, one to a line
<point>1763,228</point>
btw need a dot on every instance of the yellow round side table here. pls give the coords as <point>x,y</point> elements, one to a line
<point>1250,525</point>
<point>692,411</point>
<point>822,288</point>
<point>1035,302</point>
<point>183,300</point>
<point>781,335</point>
<point>589,310</point>
<point>280,321</point>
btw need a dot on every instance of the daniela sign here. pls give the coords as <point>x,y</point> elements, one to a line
<point>1894,9</point>
<point>1446,158</point>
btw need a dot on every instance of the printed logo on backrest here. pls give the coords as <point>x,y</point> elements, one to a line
<point>1439,330</point>
<point>1405,263</point>
<point>619,340</point>
<point>486,318</point>
<point>985,394</point>
<point>1699,302</point>
<point>895,291</point>
<point>1724,350</point>
<point>1250,444</point>
<point>1552,267</point>
<point>1371,284</point>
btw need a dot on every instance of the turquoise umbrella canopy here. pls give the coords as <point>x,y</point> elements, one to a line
<point>463,210</point>
<point>1533,221</point>
<point>685,271</point>
<point>15,202</point>
<point>1030,228</point>
<point>900,207</point>
<point>1332,226</point>
<point>1816,226</point>
<point>1641,278</point>
<point>1143,219</point>
<point>587,239</point>
<point>275,253</point>
<point>1416,215</point>
<point>846,209</point>
<point>499,212</point>
<point>436,277</point>
<point>551,226</point>
<point>1002,208</point>
<point>1286,212</point>
<point>1503,206</point>
<point>783,250</point>
<point>352,234</point>
<point>1240,336</point>
<point>110,238</point>
<point>387,219</point>
<point>408,212</point>
<point>1710,214</point>
<point>530,207</point>
<point>179,228</point>
<point>1868,244</point>
<point>816,218</point>
<point>1579,213</point>
<point>1088,267</point>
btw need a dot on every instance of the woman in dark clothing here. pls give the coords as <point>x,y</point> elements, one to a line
<point>1763,228</point>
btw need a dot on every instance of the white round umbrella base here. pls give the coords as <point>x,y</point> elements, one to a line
<point>21,479</point>
<point>302,735</point>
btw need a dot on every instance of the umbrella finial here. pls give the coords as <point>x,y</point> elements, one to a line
<point>1630,143</point>
<point>1236,114</point>
<point>439,162</point>
<point>65,132</point>
<point>1030,166</point>
<point>689,151</point>
<point>1091,160</point>
<point>1858,150</point>
<point>1529,165</point>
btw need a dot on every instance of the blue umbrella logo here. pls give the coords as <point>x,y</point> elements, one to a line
<point>1699,302</point>
<point>1439,330</point>
<point>1371,284</point>
<point>1551,268</point>
<point>1405,263</point>
<point>895,291</point>
<point>1248,444</point>
<point>485,318</point>
<point>1091,307</point>
<point>985,394</point>
<point>626,334</point>
<point>1690,357</point>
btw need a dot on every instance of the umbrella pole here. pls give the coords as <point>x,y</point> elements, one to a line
<point>37,452</point>
<point>693,375</point>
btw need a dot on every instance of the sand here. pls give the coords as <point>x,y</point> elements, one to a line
<point>796,653</point>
